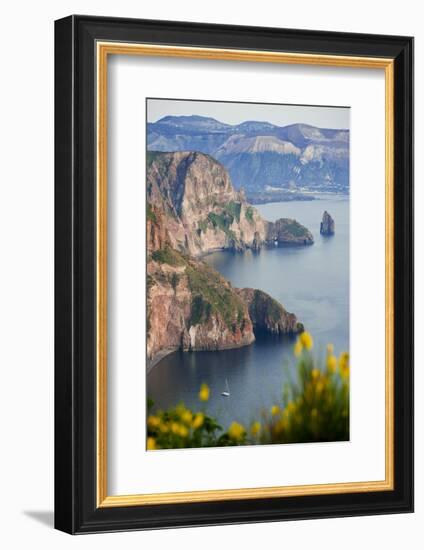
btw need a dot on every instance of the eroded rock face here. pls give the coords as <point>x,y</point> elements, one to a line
<point>190,306</point>
<point>257,242</point>
<point>267,314</point>
<point>156,233</point>
<point>327,225</point>
<point>204,212</point>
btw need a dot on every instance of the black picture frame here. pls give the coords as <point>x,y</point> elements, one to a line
<point>76,508</point>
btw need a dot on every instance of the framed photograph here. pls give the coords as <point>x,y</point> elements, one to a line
<point>234,274</point>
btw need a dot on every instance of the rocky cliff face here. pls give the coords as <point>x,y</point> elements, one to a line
<point>190,306</point>
<point>204,212</point>
<point>157,235</point>
<point>327,225</point>
<point>267,314</point>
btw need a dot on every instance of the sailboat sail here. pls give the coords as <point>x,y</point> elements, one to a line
<point>226,393</point>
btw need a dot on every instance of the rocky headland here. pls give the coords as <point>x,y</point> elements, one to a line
<point>205,213</point>
<point>192,210</point>
<point>190,306</point>
<point>267,314</point>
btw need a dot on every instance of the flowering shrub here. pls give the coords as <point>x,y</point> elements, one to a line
<point>314,408</point>
<point>181,428</point>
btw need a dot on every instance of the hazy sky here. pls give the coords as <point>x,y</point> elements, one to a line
<point>234,113</point>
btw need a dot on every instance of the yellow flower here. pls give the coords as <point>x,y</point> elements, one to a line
<point>179,429</point>
<point>187,416</point>
<point>175,428</point>
<point>236,431</point>
<point>204,392</point>
<point>275,409</point>
<point>282,425</point>
<point>256,428</point>
<point>330,349</point>
<point>319,387</point>
<point>345,373</point>
<point>153,421</point>
<point>332,364</point>
<point>182,431</point>
<point>163,428</point>
<point>180,409</point>
<point>306,339</point>
<point>198,420</point>
<point>291,407</point>
<point>344,364</point>
<point>151,444</point>
<point>315,373</point>
<point>298,347</point>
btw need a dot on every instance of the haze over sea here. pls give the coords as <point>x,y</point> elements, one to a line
<point>311,281</point>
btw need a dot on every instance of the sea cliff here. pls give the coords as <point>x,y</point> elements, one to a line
<point>193,209</point>
<point>267,314</point>
<point>203,210</point>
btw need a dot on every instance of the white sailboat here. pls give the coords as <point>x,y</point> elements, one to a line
<point>226,393</point>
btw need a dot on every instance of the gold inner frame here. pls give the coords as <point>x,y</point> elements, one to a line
<point>104,49</point>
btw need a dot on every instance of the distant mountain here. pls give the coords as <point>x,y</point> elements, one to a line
<point>193,123</point>
<point>260,155</point>
<point>239,143</point>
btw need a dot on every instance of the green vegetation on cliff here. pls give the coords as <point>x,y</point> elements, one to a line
<point>249,214</point>
<point>233,209</point>
<point>295,228</point>
<point>263,303</point>
<point>200,310</point>
<point>211,294</point>
<point>151,216</point>
<point>222,219</point>
<point>168,256</point>
<point>289,231</point>
<point>151,156</point>
<point>202,226</point>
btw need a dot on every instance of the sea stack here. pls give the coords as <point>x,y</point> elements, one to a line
<point>327,224</point>
<point>256,244</point>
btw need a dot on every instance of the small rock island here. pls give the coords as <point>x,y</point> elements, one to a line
<point>327,225</point>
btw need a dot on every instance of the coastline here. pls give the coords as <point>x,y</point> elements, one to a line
<point>151,363</point>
